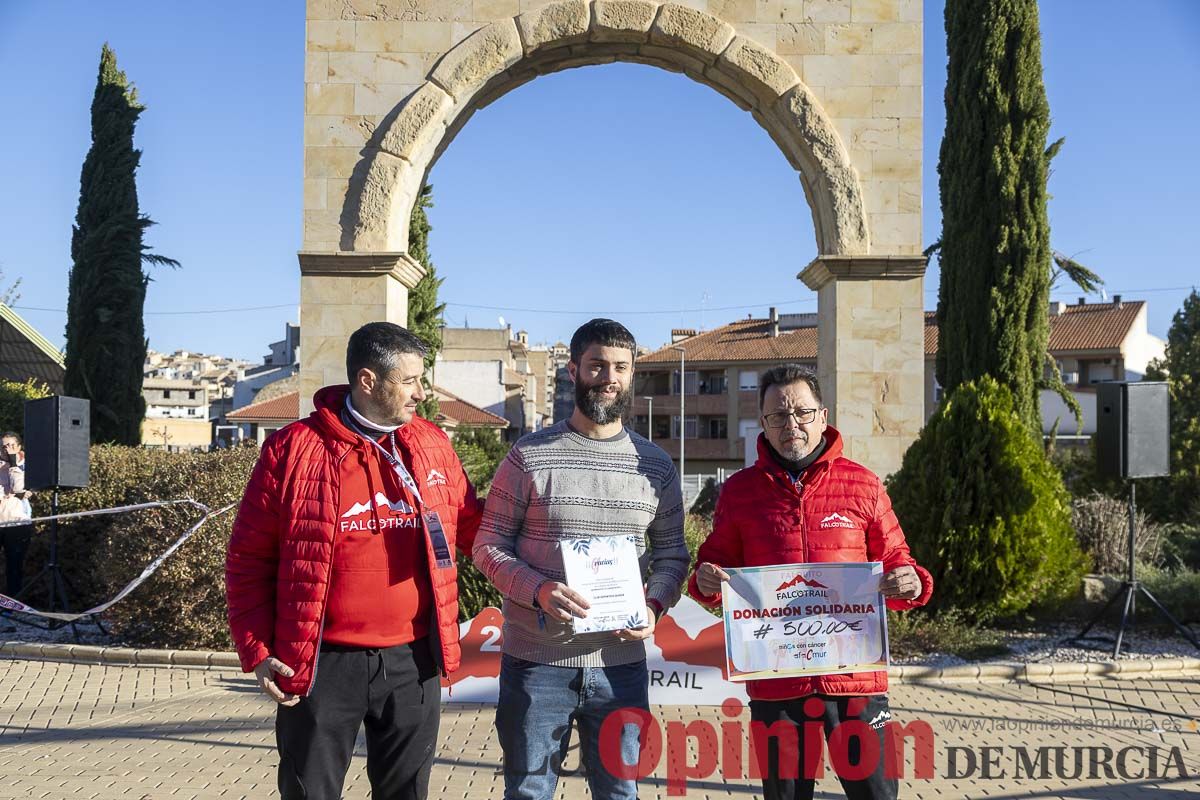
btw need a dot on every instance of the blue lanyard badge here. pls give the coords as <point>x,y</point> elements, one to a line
<point>437,538</point>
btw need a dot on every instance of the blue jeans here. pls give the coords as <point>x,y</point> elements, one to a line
<point>533,722</point>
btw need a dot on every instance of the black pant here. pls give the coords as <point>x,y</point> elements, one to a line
<point>16,541</point>
<point>395,692</point>
<point>790,783</point>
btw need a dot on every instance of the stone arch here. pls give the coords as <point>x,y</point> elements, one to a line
<point>507,53</point>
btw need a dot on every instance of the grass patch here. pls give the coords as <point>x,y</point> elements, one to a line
<point>915,634</point>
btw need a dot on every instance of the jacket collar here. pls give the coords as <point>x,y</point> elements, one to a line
<point>767,463</point>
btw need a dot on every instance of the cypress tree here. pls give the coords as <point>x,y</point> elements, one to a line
<point>995,255</point>
<point>106,339</point>
<point>424,310</point>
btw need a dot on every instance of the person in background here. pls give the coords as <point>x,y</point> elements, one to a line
<point>14,506</point>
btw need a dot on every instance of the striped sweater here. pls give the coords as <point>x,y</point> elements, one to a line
<point>556,485</point>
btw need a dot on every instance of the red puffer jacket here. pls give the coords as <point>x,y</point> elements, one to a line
<point>763,518</point>
<point>280,555</point>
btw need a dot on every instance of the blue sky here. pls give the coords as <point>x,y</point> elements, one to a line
<point>619,189</point>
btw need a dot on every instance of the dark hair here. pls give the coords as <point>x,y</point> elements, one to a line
<point>378,345</point>
<point>604,332</point>
<point>786,374</point>
<point>11,435</point>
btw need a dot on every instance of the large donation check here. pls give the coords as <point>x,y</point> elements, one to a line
<point>804,619</point>
<point>605,570</point>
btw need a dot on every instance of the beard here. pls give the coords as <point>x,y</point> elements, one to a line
<point>590,400</point>
<point>795,449</point>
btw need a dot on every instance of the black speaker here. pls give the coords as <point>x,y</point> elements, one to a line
<point>57,435</point>
<point>1133,434</point>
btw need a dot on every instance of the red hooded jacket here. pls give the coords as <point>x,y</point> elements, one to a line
<point>277,570</point>
<point>762,519</point>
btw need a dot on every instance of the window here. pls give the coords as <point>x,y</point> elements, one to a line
<point>748,380</point>
<point>191,395</point>
<point>691,427</point>
<point>718,428</point>
<point>166,394</point>
<point>689,382</point>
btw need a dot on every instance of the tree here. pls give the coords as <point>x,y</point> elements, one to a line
<point>9,296</point>
<point>985,510</point>
<point>995,255</point>
<point>424,310</point>
<point>1181,367</point>
<point>13,396</point>
<point>106,339</point>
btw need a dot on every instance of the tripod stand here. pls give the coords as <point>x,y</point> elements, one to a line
<point>56,581</point>
<point>1129,590</point>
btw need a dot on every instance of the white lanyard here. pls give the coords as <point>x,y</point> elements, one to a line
<point>401,471</point>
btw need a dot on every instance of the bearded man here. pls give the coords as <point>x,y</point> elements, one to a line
<point>585,477</point>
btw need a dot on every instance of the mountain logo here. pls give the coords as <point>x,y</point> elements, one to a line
<point>435,478</point>
<point>381,501</point>
<point>881,719</point>
<point>836,520</point>
<point>800,580</point>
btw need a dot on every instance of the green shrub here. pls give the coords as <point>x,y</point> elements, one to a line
<point>13,395</point>
<point>1101,527</point>
<point>913,634</point>
<point>183,603</point>
<point>481,452</point>
<point>984,510</point>
<point>1178,590</point>
<point>1181,546</point>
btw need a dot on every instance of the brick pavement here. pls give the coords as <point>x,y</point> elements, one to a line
<point>70,730</point>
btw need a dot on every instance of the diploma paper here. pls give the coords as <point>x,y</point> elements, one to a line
<point>605,570</point>
<point>804,619</point>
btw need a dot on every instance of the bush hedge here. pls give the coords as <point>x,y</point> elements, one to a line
<point>984,510</point>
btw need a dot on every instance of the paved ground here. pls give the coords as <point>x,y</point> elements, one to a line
<point>82,731</point>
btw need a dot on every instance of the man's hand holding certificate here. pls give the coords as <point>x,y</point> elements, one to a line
<point>604,571</point>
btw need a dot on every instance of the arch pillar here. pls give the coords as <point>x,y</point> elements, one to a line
<point>871,351</point>
<point>339,293</point>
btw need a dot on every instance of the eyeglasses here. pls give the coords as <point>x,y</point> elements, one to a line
<point>779,419</point>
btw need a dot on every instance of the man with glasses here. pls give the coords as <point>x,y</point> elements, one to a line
<point>803,502</point>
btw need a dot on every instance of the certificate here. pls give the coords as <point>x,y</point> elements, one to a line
<point>605,570</point>
<point>804,619</point>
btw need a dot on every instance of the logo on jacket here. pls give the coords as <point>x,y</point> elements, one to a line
<point>836,520</point>
<point>402,515</point>
<point>881,719</point>
<point>435,478</point>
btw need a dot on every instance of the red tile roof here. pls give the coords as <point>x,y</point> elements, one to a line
<point>452,408</point>
<point>285,407</point>
<point>1095,326</point>
<point>744,340</point>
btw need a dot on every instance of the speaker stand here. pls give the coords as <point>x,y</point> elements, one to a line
<point>1130,590</point>
<point>56,583</point>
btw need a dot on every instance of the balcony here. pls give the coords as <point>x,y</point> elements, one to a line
<point>704,449</point>
<point>707,404</point>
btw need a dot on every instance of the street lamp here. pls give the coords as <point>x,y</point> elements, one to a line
<point>682,418</point>
<point>649,417</point>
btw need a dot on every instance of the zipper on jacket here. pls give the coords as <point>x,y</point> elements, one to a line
<point>325,599</point>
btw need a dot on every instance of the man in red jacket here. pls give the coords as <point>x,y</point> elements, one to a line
<point>342,562</point>
<point>803,502</point>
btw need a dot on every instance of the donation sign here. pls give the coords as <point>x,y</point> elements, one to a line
<point>804,619</point>
<point>605,570</point>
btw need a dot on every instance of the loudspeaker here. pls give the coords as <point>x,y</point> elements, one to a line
<point>1133,437</point>
<point>57,435</point>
